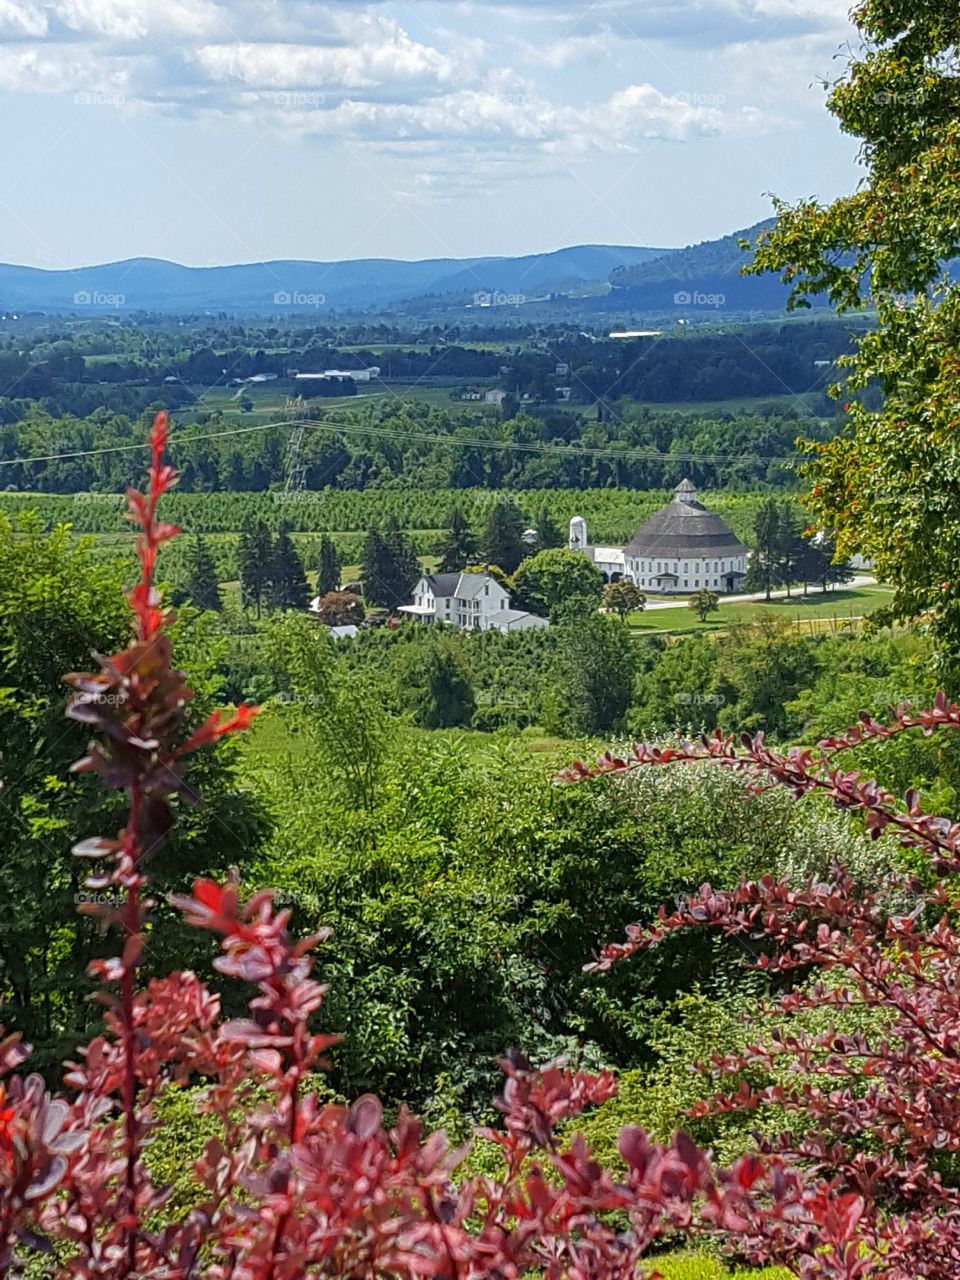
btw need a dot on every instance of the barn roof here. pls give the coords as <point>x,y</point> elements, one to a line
<point>684,527</point>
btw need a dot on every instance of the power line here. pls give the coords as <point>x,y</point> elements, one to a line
<point>455,442</point>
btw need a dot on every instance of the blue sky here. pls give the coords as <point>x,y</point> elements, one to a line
<point>214,131</point>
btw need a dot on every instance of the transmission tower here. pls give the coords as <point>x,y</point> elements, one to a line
<point>296,470</point>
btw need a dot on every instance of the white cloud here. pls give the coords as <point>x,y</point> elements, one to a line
<point>569,49</point>
<point>705,24</point>
<point>22,19</point>
<point>348,67</point>
<point>136,20</point>
<point>499,122</point>
<point>61,69</point>
<point>352,72</point>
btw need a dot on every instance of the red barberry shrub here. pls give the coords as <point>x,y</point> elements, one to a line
<point>294,1188</point>
<point>871,1120</point>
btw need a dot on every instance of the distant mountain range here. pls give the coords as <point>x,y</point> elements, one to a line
<point>152,284</point>
<point>634,278</point>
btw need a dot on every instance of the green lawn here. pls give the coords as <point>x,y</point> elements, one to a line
<point>841,605</point>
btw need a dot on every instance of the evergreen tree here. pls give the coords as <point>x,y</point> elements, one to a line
<point>817,563</point>
<point>766,562</point>
<point>389,565</point>
<point>502,540</point>
<point>288,582</point>
<point>328,572</point>
<point>459,546</point>
<point>203,587</point>
<point>254,558</point>
<point>548,534</point>
<point>791,540</point>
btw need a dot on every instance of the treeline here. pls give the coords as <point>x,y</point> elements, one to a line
<point>763,360</point>
<point>756,360</point>
<point>417,446</point>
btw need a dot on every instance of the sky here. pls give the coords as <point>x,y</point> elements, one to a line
<point>220,131</point>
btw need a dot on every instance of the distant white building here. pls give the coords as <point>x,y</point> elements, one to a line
<point>682,548</point>
<point>470,602</point>
<point>340,375</point>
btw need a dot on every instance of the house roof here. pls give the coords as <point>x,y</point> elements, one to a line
<point>684,528</point>
<point>514,615</point>
<point>471,584</point>
<point>443,584</point>
<point>463,586</point>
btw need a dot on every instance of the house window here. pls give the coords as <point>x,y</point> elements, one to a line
<point>685,583</point>
<point>486,588</point>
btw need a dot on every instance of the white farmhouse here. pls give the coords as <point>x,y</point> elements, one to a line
<point>469,601</point>
<point>681,548</point>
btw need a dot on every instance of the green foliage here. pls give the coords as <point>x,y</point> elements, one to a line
<point>550,579</point>
<point>623,598</point>
<point>765,567</point>
<point>459,545</point>
<point>757,670</point>
<point>343,717</point>
<point>472,829</point>
<point>704,602</point>
<point>288,584</point>
<point>886,485</point>
<point>595,666</point>
<point>436,685</point>
<point>501,540</point>
<point>56,608</point>
<point>389,566</point>
<point>200,584</point>
<point>693,1266</point>
<point>548,534</point>
<point>328,568</point>
<point>254,561</point>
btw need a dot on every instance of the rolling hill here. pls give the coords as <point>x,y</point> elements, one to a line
<point>152,284</point>
<point>709,270</point>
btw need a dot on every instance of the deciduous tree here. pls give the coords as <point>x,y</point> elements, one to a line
<point>340,609</point>
<point>886,483</point>
<point>552,578</point>
<point>704,602</point>
<point>622,598</point>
